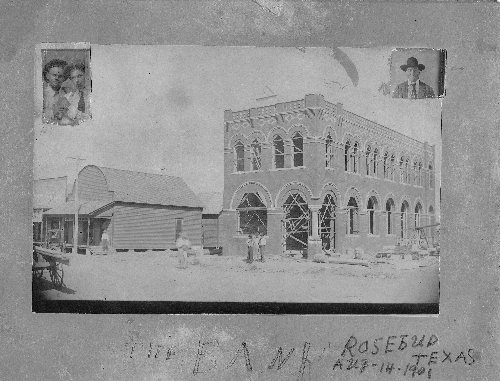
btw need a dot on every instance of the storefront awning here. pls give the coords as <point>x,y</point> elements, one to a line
<point>86,208</point>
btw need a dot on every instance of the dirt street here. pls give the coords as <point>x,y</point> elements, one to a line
<point>154,276</point>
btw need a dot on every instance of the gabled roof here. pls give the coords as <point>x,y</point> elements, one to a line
<point>212,202</point>
<point>149,188</point>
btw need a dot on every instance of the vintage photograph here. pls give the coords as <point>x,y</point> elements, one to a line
<point>240,174</point>
<point>417,73</point>
<point>66,86</point>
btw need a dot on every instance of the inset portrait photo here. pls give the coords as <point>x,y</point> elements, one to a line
<point>417,73</point>
<point>66,86</point>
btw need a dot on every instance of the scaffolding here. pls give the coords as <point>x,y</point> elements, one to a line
<point>327,223</point>
<point>295,224</point>
<point>252,214</point>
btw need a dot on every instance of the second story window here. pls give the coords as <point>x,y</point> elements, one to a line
<point>368,159</point>
<point>386,165</point>
<point>402,175</point>
<point>415,173</point>
<point>347,156</point>
<point>375,164</point>
<point>279,152</point>
<point>329,157</point>
<point>256,151</point>
<point>298,150</point>
<point>407,171</point>
<point>239,152</point>
<point>354,153</point>
<point>431,177</point>
<point>420,167</point>
<point>393,167</point>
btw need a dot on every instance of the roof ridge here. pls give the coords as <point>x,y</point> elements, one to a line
<point>142,172</point>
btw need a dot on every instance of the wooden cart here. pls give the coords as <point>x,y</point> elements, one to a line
<point>52,261</point>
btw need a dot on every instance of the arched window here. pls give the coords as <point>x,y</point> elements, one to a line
<point>386,165</point>
<point>353,217</point>
<point>418,213</point>
<point>329,157</point>
<point>279,152</point>
<point>347,156</point>
<point>393,167</point>
<point>420,173</point>
<point>402,175</point>
<point>239,153</point>
<point>407,171</point>
<point>375,162</point>
<point>256,151</point>
<point>415,173</point>
<point>252,214</point>
<point>368,159</point>
<point>372,218</point>
<point>431,177</point>
<point>298,150</point>
<point>354,154</point>
<point>389,209</point>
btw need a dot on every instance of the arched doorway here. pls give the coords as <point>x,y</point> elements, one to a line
<point>296,223</point>
<point>327,220</point>
<point>252,214</point>
<point>389,211</point>
<point>372,212</point>
<point>418,215</point>
<point>404,220</point>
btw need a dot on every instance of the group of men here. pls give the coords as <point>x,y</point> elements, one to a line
<point>65,97</point>
<point>256,244</point>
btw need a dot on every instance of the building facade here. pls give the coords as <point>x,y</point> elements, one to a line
<point>314,176</point>
<point>47,193</point>
<point>212,207</point>
<point>139,210</point>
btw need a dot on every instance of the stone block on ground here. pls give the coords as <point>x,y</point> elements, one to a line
<point>359,253</point>
<point>320,258</point>
<point>349,252</point>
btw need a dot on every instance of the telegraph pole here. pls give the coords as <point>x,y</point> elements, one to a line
<point>77,206</point>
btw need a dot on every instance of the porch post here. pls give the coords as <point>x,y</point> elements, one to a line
<point>88,231</point>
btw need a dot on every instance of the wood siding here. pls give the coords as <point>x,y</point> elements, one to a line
<point>210,228</point>
<point>92,185</point>
<point>137,226</point>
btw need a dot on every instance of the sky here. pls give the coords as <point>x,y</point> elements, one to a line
<point>159,107</point>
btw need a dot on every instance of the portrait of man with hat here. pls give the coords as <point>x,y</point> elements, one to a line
<point>413,88</point>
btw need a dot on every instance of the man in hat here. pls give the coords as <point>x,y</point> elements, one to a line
<point>413,88</point>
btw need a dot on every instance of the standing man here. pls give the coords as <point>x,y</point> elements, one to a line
<point>262,245</point>
<point>53,76</point>
<point>183,245</point>
<point>105,241</point>
<point>250,247</point>
<point>413,88</point>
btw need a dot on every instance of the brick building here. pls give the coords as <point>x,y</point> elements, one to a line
<point>313,175</point>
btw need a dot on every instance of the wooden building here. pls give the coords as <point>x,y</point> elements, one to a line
<point>47,193</point>
<point>139,210</point>
<point>212,207</point>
